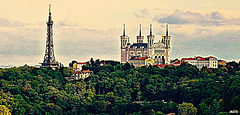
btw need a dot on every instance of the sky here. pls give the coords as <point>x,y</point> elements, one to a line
<point>83,29</point>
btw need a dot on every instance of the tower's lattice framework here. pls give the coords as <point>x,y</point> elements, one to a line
<point>49,58</point>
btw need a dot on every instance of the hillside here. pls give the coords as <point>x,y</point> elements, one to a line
<point>122,89</point>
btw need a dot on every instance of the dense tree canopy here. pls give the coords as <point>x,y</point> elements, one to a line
<point>121,89</point>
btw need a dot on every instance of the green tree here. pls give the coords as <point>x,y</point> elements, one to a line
<point>187,109</point>
<point>67,72</point>
<point>4,110</point>
<point>203,109</point>
<point>71,64</point>
<point>234,104</point>
<point>215,107</point>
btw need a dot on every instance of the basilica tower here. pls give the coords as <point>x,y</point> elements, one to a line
<point>124,38</point>
<point>166,40</point>
<point>140,37</point>
<point>124,42</point>
<point>150,38</point>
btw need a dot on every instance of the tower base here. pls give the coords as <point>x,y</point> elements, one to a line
<point>52,65</point>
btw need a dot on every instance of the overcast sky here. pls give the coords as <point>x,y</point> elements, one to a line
<point>85,29</point>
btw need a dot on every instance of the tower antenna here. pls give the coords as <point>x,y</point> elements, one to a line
<point>49,8</point>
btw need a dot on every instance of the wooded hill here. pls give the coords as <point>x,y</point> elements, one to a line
<point>122,89</point>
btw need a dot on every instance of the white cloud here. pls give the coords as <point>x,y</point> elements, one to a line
<point>68,22</point>
<point>222,45</point>
<point>7,23</point>
<point>144,13</point>
<point>190,17</point>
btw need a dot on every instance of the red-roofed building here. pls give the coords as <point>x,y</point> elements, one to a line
<point>143,58</point>
<point>86,71</point>
<point>170,114</point>
<point>202,59</point>
<point>192,61</point>
<point>164,65</point>
<point>222,62</point>
<point>84,63</point>
<point>199,57</point>
<point>137,58</point>
<point>210,57</point>
<point>78,65</point>
<point>79,73</point>
<point>141,61</point>
<point>82,74</point>
<point>199,62</point>
<point>175,62</point>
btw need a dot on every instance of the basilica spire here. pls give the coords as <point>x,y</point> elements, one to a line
<point>140,31</point>
<point>140,37</point>
<point>167,30</point>
<point>123,29</point>
<point>150,29</point>
<point>150,38</point>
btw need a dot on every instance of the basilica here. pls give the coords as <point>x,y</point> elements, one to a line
<point>142,54</point>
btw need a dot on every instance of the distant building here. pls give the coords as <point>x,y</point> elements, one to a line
<point>79,73</point>
<point>170,114</point>
<point>111,62</point>
<point>164,65</point>
<point>176,62</point>
<point>78,65</point>
<point>6,66</point>
<point>159,51</point>
<point>140,61</point>
<point>222,62</point>
<point>199,62</point>
<point>233,111</point>
<point>37,66</point>
<point>82,74</point>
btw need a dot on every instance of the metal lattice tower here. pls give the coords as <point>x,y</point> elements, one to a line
<point>49,58</point>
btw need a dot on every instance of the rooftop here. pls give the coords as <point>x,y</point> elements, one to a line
<point>138,45</point>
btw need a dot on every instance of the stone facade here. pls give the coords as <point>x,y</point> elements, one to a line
<point>159,51</point>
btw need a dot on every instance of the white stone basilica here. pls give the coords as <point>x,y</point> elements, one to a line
<point>159,52</point>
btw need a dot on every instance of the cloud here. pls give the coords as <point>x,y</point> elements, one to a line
<point>189,17</point>
<point>22,41</point>
<point>27,45</point>
<point>81,44</point>
<point>142,13</point>
<point>68,23</point>
<point>173,20</point>
<point>223,45</point>
<point>7,23</point>
<point>217,16</point>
